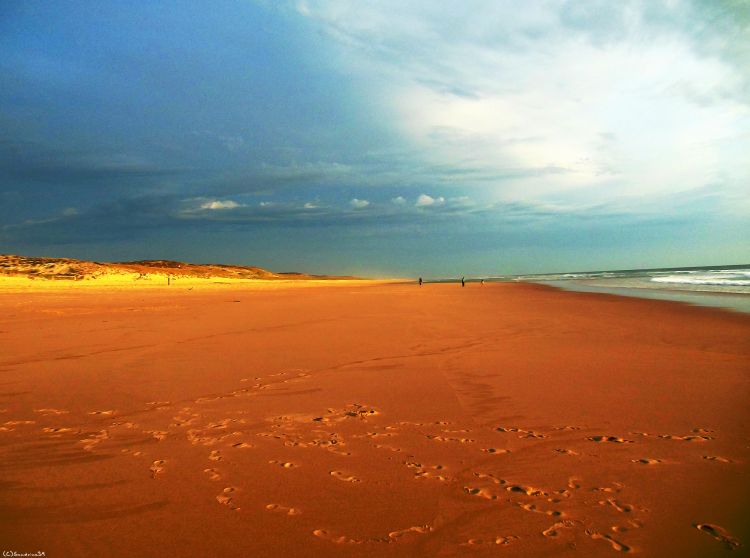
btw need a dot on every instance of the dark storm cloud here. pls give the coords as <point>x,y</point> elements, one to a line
<point>33,162</point>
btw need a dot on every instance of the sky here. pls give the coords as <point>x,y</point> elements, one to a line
<point>381,138</point>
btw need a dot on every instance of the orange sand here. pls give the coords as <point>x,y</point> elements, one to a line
<point>371,420</point>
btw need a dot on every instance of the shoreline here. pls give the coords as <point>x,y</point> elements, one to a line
<point>730,301</point>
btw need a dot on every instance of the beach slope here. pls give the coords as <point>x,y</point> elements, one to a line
<point>371,420</point>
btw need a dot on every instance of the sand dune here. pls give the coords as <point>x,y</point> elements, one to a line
<point>23,272</point>
<point>372,420</point>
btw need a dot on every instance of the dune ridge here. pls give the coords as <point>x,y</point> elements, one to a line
<point>19,271</point>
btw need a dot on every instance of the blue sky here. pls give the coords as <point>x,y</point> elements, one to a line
<point>379,138</point>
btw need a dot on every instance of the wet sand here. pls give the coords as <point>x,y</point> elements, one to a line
<point>372,420</point>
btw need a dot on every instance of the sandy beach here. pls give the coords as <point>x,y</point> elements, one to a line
<point>367,419</point>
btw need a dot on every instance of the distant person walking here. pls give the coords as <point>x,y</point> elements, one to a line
<point>481,282</point>
<point>463,281</point>
<point>420,281</point>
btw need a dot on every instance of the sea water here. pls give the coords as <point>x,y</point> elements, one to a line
<point>719,286</point>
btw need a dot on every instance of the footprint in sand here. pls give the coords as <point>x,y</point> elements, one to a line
<point>186,418</point>
<point>153,405</point>
<point>446,439</point>
<point>420,467</point>
<point>632,524</point>
<point>104,413</point>
<point>419,529</point>
<point>647,461</point>
<point>130,425</point>
<point>566,451</point>
<point>208,398</point>
<point>343,476</point>
<point>377,435</point>
<point>215,455</point>
<point>157,434</point>
<point>225,498</point>
<point>94,439</point>
<point>619,506</point>
<point>283,464</point>
<point>480,492</point>
<point>554,529</point>
<point>702,431</point>
<point>616,545</point>
<point>696,438</point>
<point>51,411</point>
<point>58,430</point>
<point>196,437</point>
<point>213,474</point>
<point>562,492</point>
<point>534,508</point>
<point>717,458</point>
<point>491,478</point>
<point>720,534</point>
<point>497,541</point>
<point>19,422</point>
<point>242,445</point>
<point>340,539</point>
<point>283,509</point>
<point>157,467</point>
<point>495,451</point>
<point>612,439</point>
<point>528,490</point>
<point>221,424</point>
<point>424,474</point>
<point>617,487</point>
<point>522,433</point>
<point>360,411</point>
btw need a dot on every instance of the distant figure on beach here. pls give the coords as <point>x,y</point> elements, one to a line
<point>481,282</point>
<point>420,281</point>
<point>463,281</point>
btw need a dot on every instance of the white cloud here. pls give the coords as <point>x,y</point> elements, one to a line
<point>310,205</point>
<point>359,204</point>
<point>510,93</point>
<point>398,200</point>
<point>426,201</point>
<point>218,204</point>
<point>462,200</point>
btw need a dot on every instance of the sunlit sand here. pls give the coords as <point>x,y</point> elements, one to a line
<point>366,419</point>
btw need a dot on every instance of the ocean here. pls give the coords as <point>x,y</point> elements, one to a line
<point>716,286</point>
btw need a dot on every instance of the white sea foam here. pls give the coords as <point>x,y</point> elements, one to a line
<point>728,278</point>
